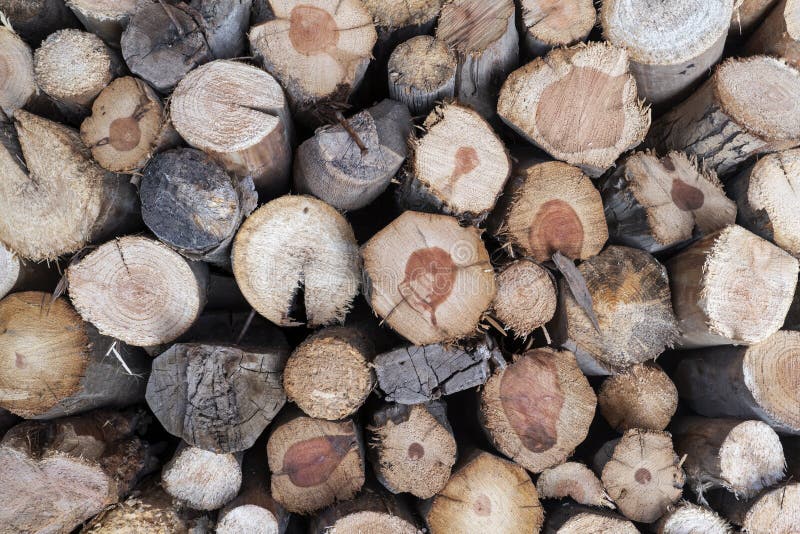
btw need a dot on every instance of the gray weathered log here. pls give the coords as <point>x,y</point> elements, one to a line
<point>34,20</point>
<point>225,24</point>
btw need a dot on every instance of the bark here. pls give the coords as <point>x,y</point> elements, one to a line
<point>643,397</point>
<point>373,510</point>
<point>549,24</point>
<point>104,18</point>
<point>17,86</point>
<point>573,480</point>
<point>422,71</point>
<point>348,165</point>
<point>747,16</point>
<point>36,19</point>
<point>225,25</point>
<point>779,34</point>
<point>201,479</point>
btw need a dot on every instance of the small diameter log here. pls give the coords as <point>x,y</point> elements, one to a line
<point>127,126</point>
<point>318,52</point>
<point>224,24</point>
<point>348,165</point>
<point>742,457</point>
<point>571,518</point>
<point>550,24</point>
<point>630,296</point>
<point>104,18</point>
<point>657,203</point>
<point>314,462</point>
<point>329,375</point>
<point>57,474</point>
<point>201,479</point>
<point>297,252</point>
<point>779,34</point>
<point>17,85</point>
<point>775,511</point>
<point>748,15</point>
<point>485,494</point>
<point>416,374</point>
<point>53,364</point>
<point>72,67</point>
<point>671,45</point>
<point>484,36</point>
<point>372,511</point>
<point>538,409</point>
<point>731,287</point>
<point>728,119</point>
<point>458,166</point>
<point>767,200</point>
<point>218,397</point>
<point>429,278</point>
<point>74,201</point>
<point>36,19</point>
<point>422,71</point>
<point>254,510</point>
<point>193,205</point>
<point>526,297</point>
<point>412,448</point>
<point>642,396</point>
<point>17,274</point>
<point>238,114</point>
<point>553,103</point>
<point>686,518</point>
<point>138,290</point>
<point>163,42</point>
<point>548,207</point>
<point>573,480</point>
<point>642,473</point>
<point>755,382</point>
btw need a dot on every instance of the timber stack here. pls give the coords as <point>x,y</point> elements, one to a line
<point>370,266</point>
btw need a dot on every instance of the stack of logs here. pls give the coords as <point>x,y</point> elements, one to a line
<point>370,266</point>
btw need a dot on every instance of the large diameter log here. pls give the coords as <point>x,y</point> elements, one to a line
<point>218,397</point>
<point>766,197</point>
<point>104,18</point>
<point>429,278</point>
<point>329,375</point>
<point>642,473</point>
<point>412,448</point>
<point>485,494</point>
<point>526,298</point>
<point>349,165</point>
<point>551,207</point>
<point>314,462</point>
<point>774,511</point>
<point>238,114</point>
<point>458,165</point>
<point>747,15</point>
<point>671,45</point>
<point>54,364</point>
<point>731,287</point>
<point>630,297</point>
<point>58,474</point>
<point>421,72</point>
<point>686,517</point>
<point>137,290</point>
<point>642,396</point>
<point>573,519</point>
<point>127,126</point>
<point>372,510</point>
<point>779,34</point>
<point>573,480</point>
<point>484,35</point>
<point>318,51</point>
<point>297,247</point>
<point>163,42</point>
<point>72,67</point>
<point>75,202</point>
<point>743,457</point>
<point>417,374</point>
<point>657,203</point>
<point>193,205</point>
<point>36,19</point>
<point>759,381</point>
<point>553,103</point>
<point>728,119</point>
<point>17,85</point>
<point>201,479</point>
<point>550,24</point>
<point>538,409</point>
<point>17,274</point>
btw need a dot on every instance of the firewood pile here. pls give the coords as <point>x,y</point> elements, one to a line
<point>372,266</point>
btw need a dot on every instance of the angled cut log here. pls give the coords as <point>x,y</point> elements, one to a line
<point>574,480</point>
<point>104,18</point>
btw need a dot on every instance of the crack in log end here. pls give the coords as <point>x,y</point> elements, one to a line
<point>556,227</point>
<point>312,30</point>
<point>311,462</point>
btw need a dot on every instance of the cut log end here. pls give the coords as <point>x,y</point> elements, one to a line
<point>17,84</point>
<point>373,510</point>
<point>640,397</point>
<point>777,511</point>
<point>553,23</point>
<point>248,518</point>
<point>573,480</point>
<point>526,297</point>
<point>201,479</point>
<point>688,517</point>
<point>390,14</point>
<point>422,71</point>
<point>538,409</point>
<point>574,519</point>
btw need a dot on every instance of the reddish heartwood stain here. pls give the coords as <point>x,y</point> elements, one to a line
<point>685,196</point>
<point>124,134</point>
<point>429,277</point>
<point>482,506</point>
<point>311,462</point>
<point>312,30</point>
<point>19,361</point>
<point>556,227</point>
<point>416,451</point>
<point>466,161</point>
<point>642,476</point>
<point>531,397</point>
